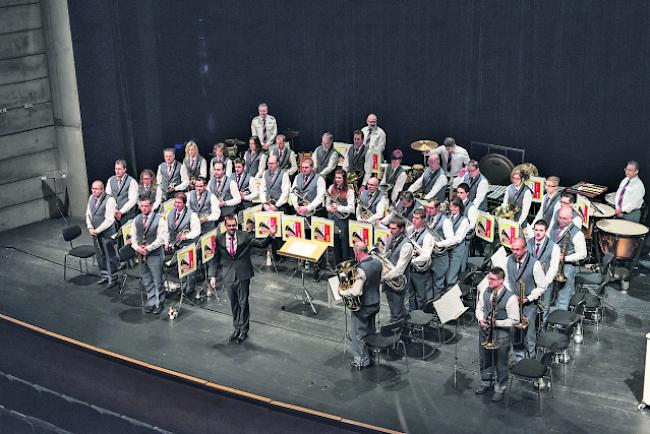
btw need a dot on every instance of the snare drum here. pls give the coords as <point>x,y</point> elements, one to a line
<point>621,238</point>
<point>598,211</point>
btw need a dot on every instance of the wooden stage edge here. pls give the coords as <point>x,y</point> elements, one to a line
<point>195,380</point>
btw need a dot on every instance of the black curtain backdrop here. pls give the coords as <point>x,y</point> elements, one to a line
<point>568,81</point>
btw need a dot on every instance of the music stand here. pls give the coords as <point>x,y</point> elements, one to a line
<point>304,251</point>
<point>450,307</point>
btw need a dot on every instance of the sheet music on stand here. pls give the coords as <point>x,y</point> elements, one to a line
<point>499,259</point>
<point>450,306</point>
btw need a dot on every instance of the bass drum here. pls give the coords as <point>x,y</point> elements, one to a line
<point>621,238</point>
<point>496,168</point>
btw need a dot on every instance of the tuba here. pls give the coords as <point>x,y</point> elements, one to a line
<point>521,293</point>
<point>398,283</point>
<point>347,272</point>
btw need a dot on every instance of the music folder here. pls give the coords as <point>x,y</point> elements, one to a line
<point>450,307</point>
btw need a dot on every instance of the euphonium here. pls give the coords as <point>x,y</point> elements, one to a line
<point>303,201</point>
<point>437,238</point>
<point>490,343</point>
<point>337,213</point>
<point>521,293</point>
<point>347,273</point>
<point>397,283</point>
<point>419,252</point>
<point>366,212</point>
<point>507,211</point>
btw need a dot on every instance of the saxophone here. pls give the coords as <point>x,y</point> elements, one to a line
<point>397,283</point>
<point>521,293</point>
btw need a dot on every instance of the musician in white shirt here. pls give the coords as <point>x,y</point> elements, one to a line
<point>372,201</point>
<point>325,156</point>
<point>375,136</point>
<point>220,154</point>
<point>264,126</point>
<point>421,288</point>
<point>340,201</point>
<point>433,181</point>
<point>271,200</point>
<point>148,186</point>
<point>195,164</point>
<point>171,172</point>
<point>124,190</point>
<point>550,201</point>
<point>460,226</point>
<point>395,176</point>
<point>286,157</point>
<point>100,216</point>
<point>359,158</point>
<point>630,193</point>
<point>438,223</point>
<point>225,189</point>
<point>453,157</point>
<point>310,186</point>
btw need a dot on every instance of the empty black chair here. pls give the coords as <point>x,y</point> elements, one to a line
<point>534,371</point>
<point>84,252</point>
<point>596,278</point>
<point>559,329</point>
<point>417,321</point>
<point>388,338</point>
<point>126,254</point>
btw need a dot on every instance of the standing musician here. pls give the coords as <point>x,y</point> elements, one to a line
<point>404,209</point>
<point>629,196</point>
<point>478,184</point>
<point>172,176</point>
<point>275,186</point>
<point>399,252</point>
<point>366,286</point>
<point>433,181</point>
<point>286,157</point>
<point>439,224</point>
<point>220,155</point>
<point>149,235</point>
<point>326,157</point>
<point>148,186</point>
<point>497,310</point>
<point>124,190</point>
<point>471,212</point>
<point>309,185</point>
<point>524,269</point>
<point>453,157</point>
<point>224,189</point>
<point>183,227</point>
<point>264,126</point>
<point>573,249</point>
<point>359,159</point>
<point>372,203</point>
<point>458,253</point>
<point>233,253</point>
<point>520,195</point>
<point>340,199</point>
<point>395,176</point>
<point>246,185</point>
<point>548,253</point>
<point>255,158</point>
<point>375,137</point>
<point>550,201</point>
<point>195,164</point>
<point>100,216</point>
<point>421,288</point>
<point>204,204</point>
<point>568,200</point>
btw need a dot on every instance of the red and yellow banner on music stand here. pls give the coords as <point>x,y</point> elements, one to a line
<point>264,221</point>
<point>127,231</point>
<point>485,225</point>
<point>208,245</point>
<point>508,231</point>
<point>248,218</point>
<point>583,206</point>
<point>293,227</point>
<point>536,184</point>
<point>322,230</point>
<point>375,157</point>
<point>359,231</point>
<point>380,234</point>
<point>342,149</point>
<point>165,207</point>
<point>186,260</point>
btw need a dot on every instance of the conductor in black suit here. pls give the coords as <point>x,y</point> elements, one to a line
<point>233,253</point>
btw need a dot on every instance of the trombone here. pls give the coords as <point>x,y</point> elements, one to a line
<point>490,343</point>
<point>521,293</point>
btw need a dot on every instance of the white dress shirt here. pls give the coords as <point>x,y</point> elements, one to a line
<point>162,235</point>
<point>459,159</point>
<point>293,168</point>
<point>398,187</point>
<point>332,162</point>
<point>634,193</point>
<point>349,208</point>
<point>459,234</point>
<point>377,140</point>
<point>540,212</point>
<point>441,182</point>
<point>215,210</point>
<point>426,247</point>
<point>447,235</point>
<point>538,275</point>
<point>318,200</point>
<point>284,196</point>
<point>525,206</point>
<point>203,165</point>
<point>185,178</point>
<point>380,209</point>
<point>512,310</point>
<point>132,195</point>
<point>405,255</point>
<point>109,215</point>
<point>367,166</point>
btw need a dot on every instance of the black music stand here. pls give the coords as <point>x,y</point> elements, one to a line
<point>305,251</point>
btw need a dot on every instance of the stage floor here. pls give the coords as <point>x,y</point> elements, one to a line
<point>297,358</point>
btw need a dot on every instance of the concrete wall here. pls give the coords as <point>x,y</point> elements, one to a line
<point>40,125</point>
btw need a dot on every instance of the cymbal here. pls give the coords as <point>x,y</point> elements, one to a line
<point>234,142</point>
<point>424,145</point>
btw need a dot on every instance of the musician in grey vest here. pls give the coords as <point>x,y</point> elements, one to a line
<point>246,185</point>
<point>149,236</point>
<point>184,228</point>
<point>147,185</point>
<point>471,213</point>
<point>421,288</point>
<point>255,158</point>
<point>220,155</point>
<point>372,203</point>
<point>399,252</point>
<point>506,313</point>
<point>439,224</point>
<point>224,189</point>
<point>524,270</point>
<point>548,254</point>
<point>550,200</point>
<point>339,202</point>
<point>366,286</point>
<point>568,200</point>
<point>478,184</point>
<point>359,159</point>
<point>275,186</point>
<point>395,176</point>
<point>629,195</point>
<point>573,249</point>
<point>172,176</point>
<point>326,157</point>
<point>100,216</point>
<point>124,189</point>
<point>204,204</point>
<point>195,164</point>
<point>404,209</point>
<point>458,253</point>
<point>310,186</point>
<point>433,181</point>
<point>520,195</point>
<point>286,157</point>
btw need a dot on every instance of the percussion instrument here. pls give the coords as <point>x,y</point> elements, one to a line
<point>424,145</point>
<point>414,173</point>
<point>529,168</point>
<point>496,192</point>
<point>598,211</point>
<point>610,198</point>
<point>587,189</point>
<point>496,168</point>
<point>622,238</point>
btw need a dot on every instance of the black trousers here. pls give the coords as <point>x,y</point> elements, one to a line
<point>238,293</point>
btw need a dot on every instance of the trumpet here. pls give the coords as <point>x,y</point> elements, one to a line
<point>178,240</point>
<point>521,293</point>
<point>560,278</point>
<point>397,283</point>
<point>337,213</point>
<point>347,273</point>
<point>490,343</point>
<point>419,252</point>
<point>171,187</point>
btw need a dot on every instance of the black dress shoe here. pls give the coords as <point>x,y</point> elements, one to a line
<point>112,284</point>
<point>234,336</point>
<point>158,309</point>
<point>102,280</point>
<point>242,337</point>
<point>497,397</point>
<point>149,309</point>
<point>482,390</point>
<point>316,276</point>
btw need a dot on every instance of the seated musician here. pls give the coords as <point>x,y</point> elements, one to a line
<point>326,157</point>
<point>340,201</point>
<point>246,185</point>
<point>519,195</point>
<point>220,155</point>
<point>459,251</point>
<point>550,200</point>
<point>395,176</point>
<point>421,288</point>
<point>372,203</point>
<point>548,253</point>
<point>440,225</point>
<point>286,157</point>
<point>204,204</point>
<point>629,196</point>
<point>255,158</point>
<point>308,189</point>
<point>404,209</point>
<point>568,200</point>
<point>184,228</point>
<point>525,273</point>
<point>148,186</point>
<point>195,164</point>
<point>225,189</point>
<point>124,190</point>
<point>478,184</point>
<point>359,160</point>
<point>172,176</point>
<point>433,181</point>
